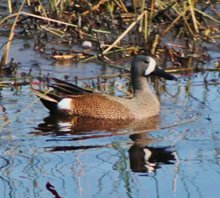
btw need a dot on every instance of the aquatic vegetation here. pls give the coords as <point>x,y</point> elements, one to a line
<point>174,30</point>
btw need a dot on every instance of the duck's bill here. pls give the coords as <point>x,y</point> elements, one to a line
<point>161,73</point>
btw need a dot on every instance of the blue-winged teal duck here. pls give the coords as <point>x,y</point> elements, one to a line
<point>80,102</point>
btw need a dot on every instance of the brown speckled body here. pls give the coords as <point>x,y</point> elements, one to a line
<point>103,106</point>
<point>100,106</point>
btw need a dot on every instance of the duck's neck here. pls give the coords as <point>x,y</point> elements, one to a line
<point>140,86</point>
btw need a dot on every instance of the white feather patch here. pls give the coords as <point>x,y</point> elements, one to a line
<point>65,126</point>
<point>151,67</point>
<point>147,154</point>
<point>65,104</point>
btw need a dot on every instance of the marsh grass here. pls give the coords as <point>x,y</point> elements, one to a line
<point>117,27</point>
<point>4,59</point>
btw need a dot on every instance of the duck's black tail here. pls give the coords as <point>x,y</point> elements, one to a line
<point>61,89</point>
<point>49,100</point>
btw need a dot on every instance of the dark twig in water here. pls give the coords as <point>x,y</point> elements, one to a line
<point>52,190</point>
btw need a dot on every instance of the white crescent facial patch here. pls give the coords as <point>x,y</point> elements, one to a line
<point>151,67</point>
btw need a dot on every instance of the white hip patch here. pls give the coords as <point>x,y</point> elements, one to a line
<point>65,104</point>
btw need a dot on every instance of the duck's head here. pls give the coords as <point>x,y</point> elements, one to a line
<point>144,66</point>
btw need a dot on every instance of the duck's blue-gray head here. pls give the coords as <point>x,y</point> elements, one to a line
<point>144,66</point>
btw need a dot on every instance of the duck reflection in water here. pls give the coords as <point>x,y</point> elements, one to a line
<point>146,159</point>
<point>81,125</point>
<point>142,158</point>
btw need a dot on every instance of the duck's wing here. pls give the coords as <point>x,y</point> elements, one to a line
<point>91,105</point>
<point>68,88</point>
